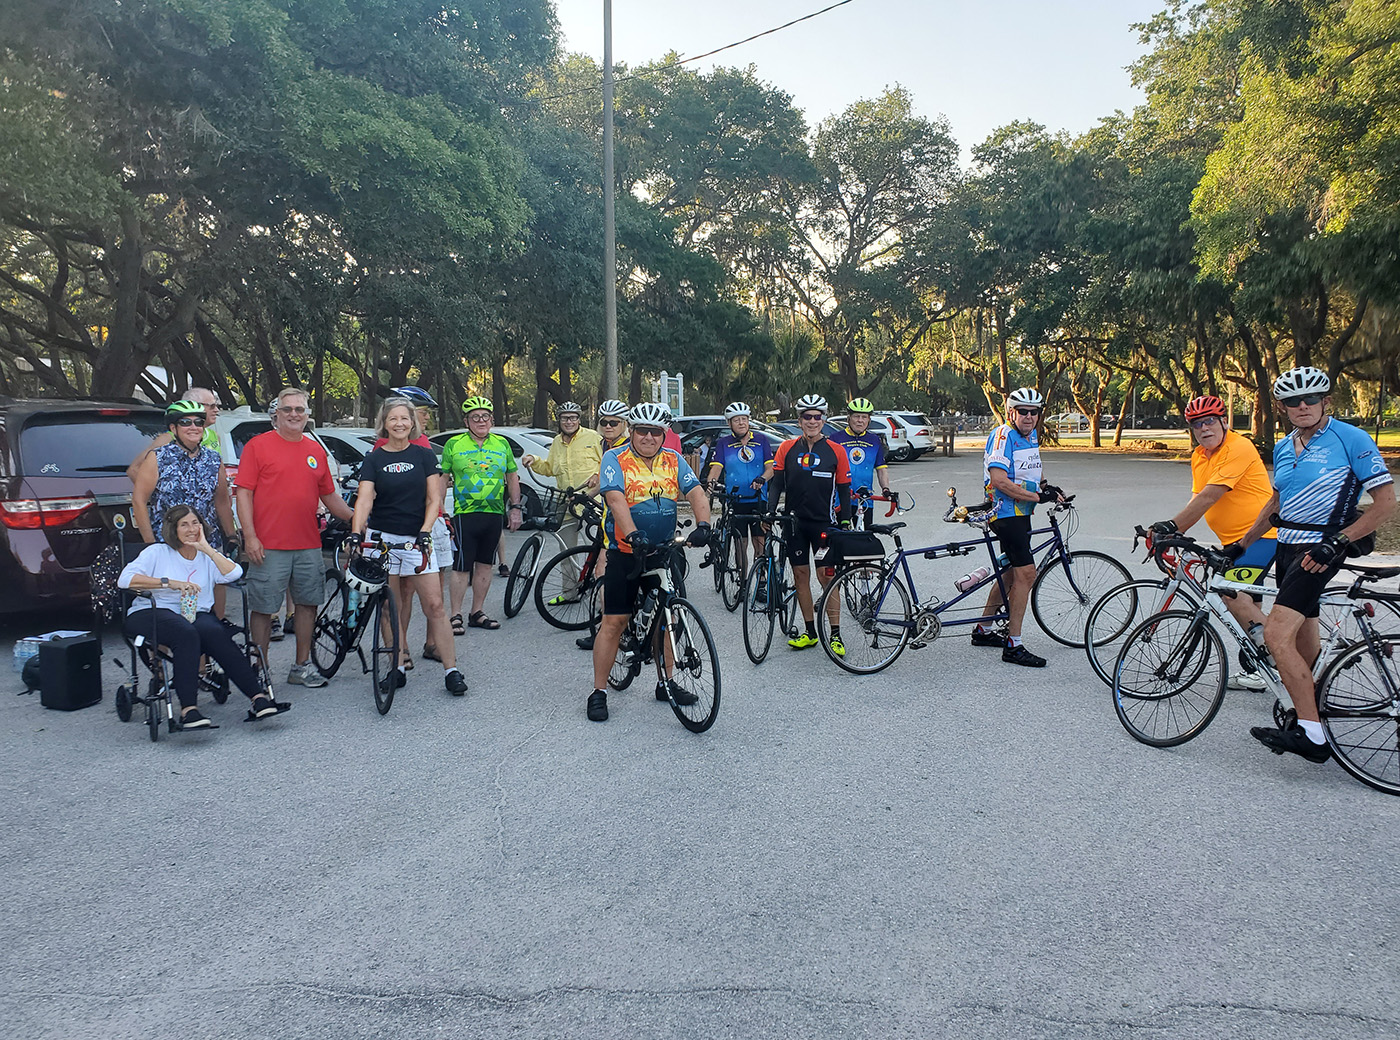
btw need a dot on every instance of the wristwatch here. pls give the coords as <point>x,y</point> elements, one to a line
<point>165,583</point>
<point>515,505</point>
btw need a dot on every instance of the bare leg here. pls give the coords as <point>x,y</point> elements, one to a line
<point>460,581</point>
<point>305,625</point>
<point>481,584</point>
<point>439,631</point>
<point>1294,641</point>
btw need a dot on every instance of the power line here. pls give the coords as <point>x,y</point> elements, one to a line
<point>698,57</point>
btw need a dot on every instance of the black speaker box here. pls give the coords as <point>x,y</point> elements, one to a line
<point>70,673</point>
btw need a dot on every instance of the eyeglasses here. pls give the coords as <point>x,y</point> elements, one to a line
<point>479,417</point>
<point>1203,424</point>
<point>1298,402</point>
<point>1027,411</point>
<point>812,417</point>
<point>189,421</point>
<point>288,410</point>
<point>609,422</point>
<point>647,431</point>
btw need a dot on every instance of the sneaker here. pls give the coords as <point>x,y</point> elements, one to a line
<point>584,642</point>
<point>455,682</point>
<point>560,600</point>
<point>263,706</point>
<point>1292,740</point>
<point>802,642</point>
<point>678,693</point>
<point>306,675</point>
<point>993,638</point>
<point>194,719</point>
<point>503,571</point>
<point>837,647</point>
<point>598,706</point>
<point>276,635</point>
<point>1020,655</point>
<point>1245,681</point>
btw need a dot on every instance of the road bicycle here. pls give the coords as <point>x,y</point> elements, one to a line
<point>363,603</point>
<point>544,543</point>
<point>884,612</point>
<point>667,630</point>
<point>769,598</point>
<point>569,589</point>
<point>728,555</point>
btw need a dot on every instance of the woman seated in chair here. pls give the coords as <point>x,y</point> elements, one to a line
<point>185,567</point>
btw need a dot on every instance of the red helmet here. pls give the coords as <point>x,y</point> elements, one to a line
<point>1203,407</point>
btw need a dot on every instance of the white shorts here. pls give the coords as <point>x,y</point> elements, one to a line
<point>442,544</point>
<point>403,562</point>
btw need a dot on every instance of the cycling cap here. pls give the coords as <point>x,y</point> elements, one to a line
<point>735,409</point>
<point>810,401</point>
<point>1298,381</point>
<point>416,394</point>
<point>366,576</point>
<point>1027,395</point>
<point>179,409</point>
<point>569,406</point>
<point>471,404</point>
<point>613,409</point>
<point>1205,407</point>
<point>648,414</point>
<point>860,405</point>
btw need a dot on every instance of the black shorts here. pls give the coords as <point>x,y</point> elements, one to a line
<point>621,582</point>
<point>744,521</point>
<point>1014,534</point>
<point>803,538</point>
<point>1298,589</point>
<point>477,535</point>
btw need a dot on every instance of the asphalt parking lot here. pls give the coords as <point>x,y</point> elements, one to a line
<point>952,848</point>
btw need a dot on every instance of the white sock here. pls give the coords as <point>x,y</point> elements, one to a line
<point>1013,640</point>
<point>448,669</point>
<point>1313,730</point>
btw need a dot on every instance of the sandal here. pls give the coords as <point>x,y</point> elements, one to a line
<point>407,663</point>
<point>458,629</point>
<point>430,653</point>
<point>480,620</point>
<point>503,571</point>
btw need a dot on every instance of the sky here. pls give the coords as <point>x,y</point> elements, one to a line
<point>982,64</point>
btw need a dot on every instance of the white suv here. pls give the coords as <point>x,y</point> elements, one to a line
<point>917,429</point>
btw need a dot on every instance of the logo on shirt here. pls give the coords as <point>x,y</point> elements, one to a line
<point>806,460</point>
<point>311,461</point>
<point>399,467</point>
<point>746,454</point>
<point>857,455</point>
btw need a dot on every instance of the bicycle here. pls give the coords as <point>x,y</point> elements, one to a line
<point>555,507</point>
<point>887,614</point>
<point>769,595</point>
<point>666,629</point>
<point>349,610</point>
<point>728,550</point>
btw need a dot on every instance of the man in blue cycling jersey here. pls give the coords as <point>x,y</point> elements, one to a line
<point>745,462</point>
<point>865,454</point>
<point>1012,473</point>
<point>1320,470</point>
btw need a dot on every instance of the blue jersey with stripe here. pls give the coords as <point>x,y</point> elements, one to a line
<point>865,453</point>
<point>1322,484</point>
<point>741,463</point>
<point>1019,458</point>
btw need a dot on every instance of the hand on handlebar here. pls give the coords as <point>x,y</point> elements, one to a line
<point>700,537</point>
<point>424,541</point>
<point>1163,528</point>
<point>1234,551</point>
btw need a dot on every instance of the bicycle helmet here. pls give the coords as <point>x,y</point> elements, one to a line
<point>567,407</point>
<point>179,409</point>
<point>415,394</point>
<point>815,402</point>
<point>366,576</point>
<point>736,409</point>
<point>1027,396</point>
<point>860,406</point>
<point>1204,407</point>
<point>471,404</point>
<point>649,414</point>
<point>612,408</point>
<point>1298,381</point>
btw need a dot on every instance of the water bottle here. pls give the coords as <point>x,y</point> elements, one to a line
<point>1003,562</point>
<point>1256,636</point>
<point>648,610</point>
<point>968,581</point>
<point>354,607</point>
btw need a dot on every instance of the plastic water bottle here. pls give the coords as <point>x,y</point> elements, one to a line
<point>354,607</point>
<point>968,581</point>
<point>644,615</point>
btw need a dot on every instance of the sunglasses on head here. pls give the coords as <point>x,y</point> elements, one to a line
<point>813,417</point>
<point>1027,411</point>
<point>189,421</point>
<point>1299,402</point>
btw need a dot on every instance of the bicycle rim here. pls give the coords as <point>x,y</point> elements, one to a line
<point>565,603</point>
<point>1061,606</point>
<point>384,655</point>
<point>330,636</point>
<point>875,619</point>
<point>759,617</point>
<point>627,663</point>
<point>1360,713</point>
<point>1169,679</point>
<point>697,665</point>
<point>732,581</point>
<point>1119,610</point>
<point>522,576</point>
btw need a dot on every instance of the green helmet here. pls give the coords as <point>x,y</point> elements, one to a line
<point>471,404</point>
<point>176,410</point>
<point>861,405</point>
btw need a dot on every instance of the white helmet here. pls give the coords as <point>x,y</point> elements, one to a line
<point>366,576</point>
<point>568,406</point>
<point>735,409</point>
<point>649,414</point>
<point>613,409</point>
<point>1298,381</point>
<point>810,401</point>
<point>1027,395</point>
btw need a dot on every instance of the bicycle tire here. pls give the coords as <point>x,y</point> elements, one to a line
<point>1359,713</point>
<point>758,619</point>
<point>330,637</point>
<point>1385,621</point>
<point>731,584</point>
<point>694,650</point>
<point>878,618</point>
<point>1111,619</point>
<point>719,551</point>
<point>384,659</point>
<point>1064,613</point>
<point>575,613</point>
<point>522,575</point>
<point>1155,705</point>
<point>627,662</point>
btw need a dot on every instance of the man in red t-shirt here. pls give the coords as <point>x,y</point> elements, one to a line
<point>282,475</point>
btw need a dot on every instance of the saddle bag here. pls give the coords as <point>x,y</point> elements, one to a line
<point>842,547</point>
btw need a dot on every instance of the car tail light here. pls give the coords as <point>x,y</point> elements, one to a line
<point>114,411</point>
<point>28,514</point>
<point>925,432</point>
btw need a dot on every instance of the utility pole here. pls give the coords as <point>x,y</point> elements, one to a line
<point>609,232</point>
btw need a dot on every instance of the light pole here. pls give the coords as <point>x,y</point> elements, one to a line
<point>609,233</point>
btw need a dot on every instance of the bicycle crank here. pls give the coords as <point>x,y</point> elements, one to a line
<point>927,627</point>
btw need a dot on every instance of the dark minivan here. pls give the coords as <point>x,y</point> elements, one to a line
<point>63,490</point>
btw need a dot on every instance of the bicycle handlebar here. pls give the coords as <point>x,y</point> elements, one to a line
<point>385,546</point>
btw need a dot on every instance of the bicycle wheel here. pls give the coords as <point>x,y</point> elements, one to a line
<point>1061,606</point>
<point>697,664</point>
<point>1335,615</point>
<point>627,665</point>
<point>1360,712</point>
<point>759,616</point>
<point>876,618</point>
<point>719,552</point>
<point>731,576</point>
<point>1169,679</point>
<point>384,655</point>
<point>1118,610</point>
<point>522,575</point>
<point>330,638</point>
<point>562,600</point>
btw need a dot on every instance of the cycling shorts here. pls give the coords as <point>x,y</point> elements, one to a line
<point>1254,564</point>
<point>477,537</point>
<point>1014,535</point>
<point>622,581</point>
<point>803,539</point>
<point>1298,589</point>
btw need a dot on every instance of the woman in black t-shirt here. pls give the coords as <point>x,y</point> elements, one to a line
<point>399,497</point>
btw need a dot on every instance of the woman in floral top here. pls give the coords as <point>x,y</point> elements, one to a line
<point>183,472</point>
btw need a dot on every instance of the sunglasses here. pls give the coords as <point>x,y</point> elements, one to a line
<point>647,431</point>
<point>1299,402</point>
<point>813,417</point>
<point>1202,424</point>
<point>1027,411</point>
<point>291,411</point>
<point>190,421</point>
<point>609,422</point>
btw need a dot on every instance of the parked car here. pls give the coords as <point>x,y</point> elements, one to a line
<point>63,491</point>
<point>691,441</point>
<point>238,426</point>
<point>347,445</point>
<point>918,432</point>
<point>888,431</point>
<point>522,440</point>
<point>1069,422</point>
<point>683,424</point>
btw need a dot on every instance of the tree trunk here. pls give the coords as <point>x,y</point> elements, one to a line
<point>634,385</point>
<point>498,390</point>
<point>318,400</point>
<point>117,367</point>
<point>1128,393</point>
<point>540,415</point>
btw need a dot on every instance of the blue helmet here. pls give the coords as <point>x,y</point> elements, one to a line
<point>416,394</point>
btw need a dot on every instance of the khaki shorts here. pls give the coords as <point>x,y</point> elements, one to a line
<point>442,544</point>
<point>303,570</point>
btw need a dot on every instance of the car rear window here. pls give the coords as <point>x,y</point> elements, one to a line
<point>67,444</point>
<point>915,418</point>
<point>246,431</point>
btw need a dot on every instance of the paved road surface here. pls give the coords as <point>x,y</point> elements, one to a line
<point>954,848</point>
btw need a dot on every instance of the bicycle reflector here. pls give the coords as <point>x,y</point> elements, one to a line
<point>1370,609</point>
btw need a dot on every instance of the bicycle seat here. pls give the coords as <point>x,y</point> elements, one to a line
<point>1373,573</point>
<point>885,528</point>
